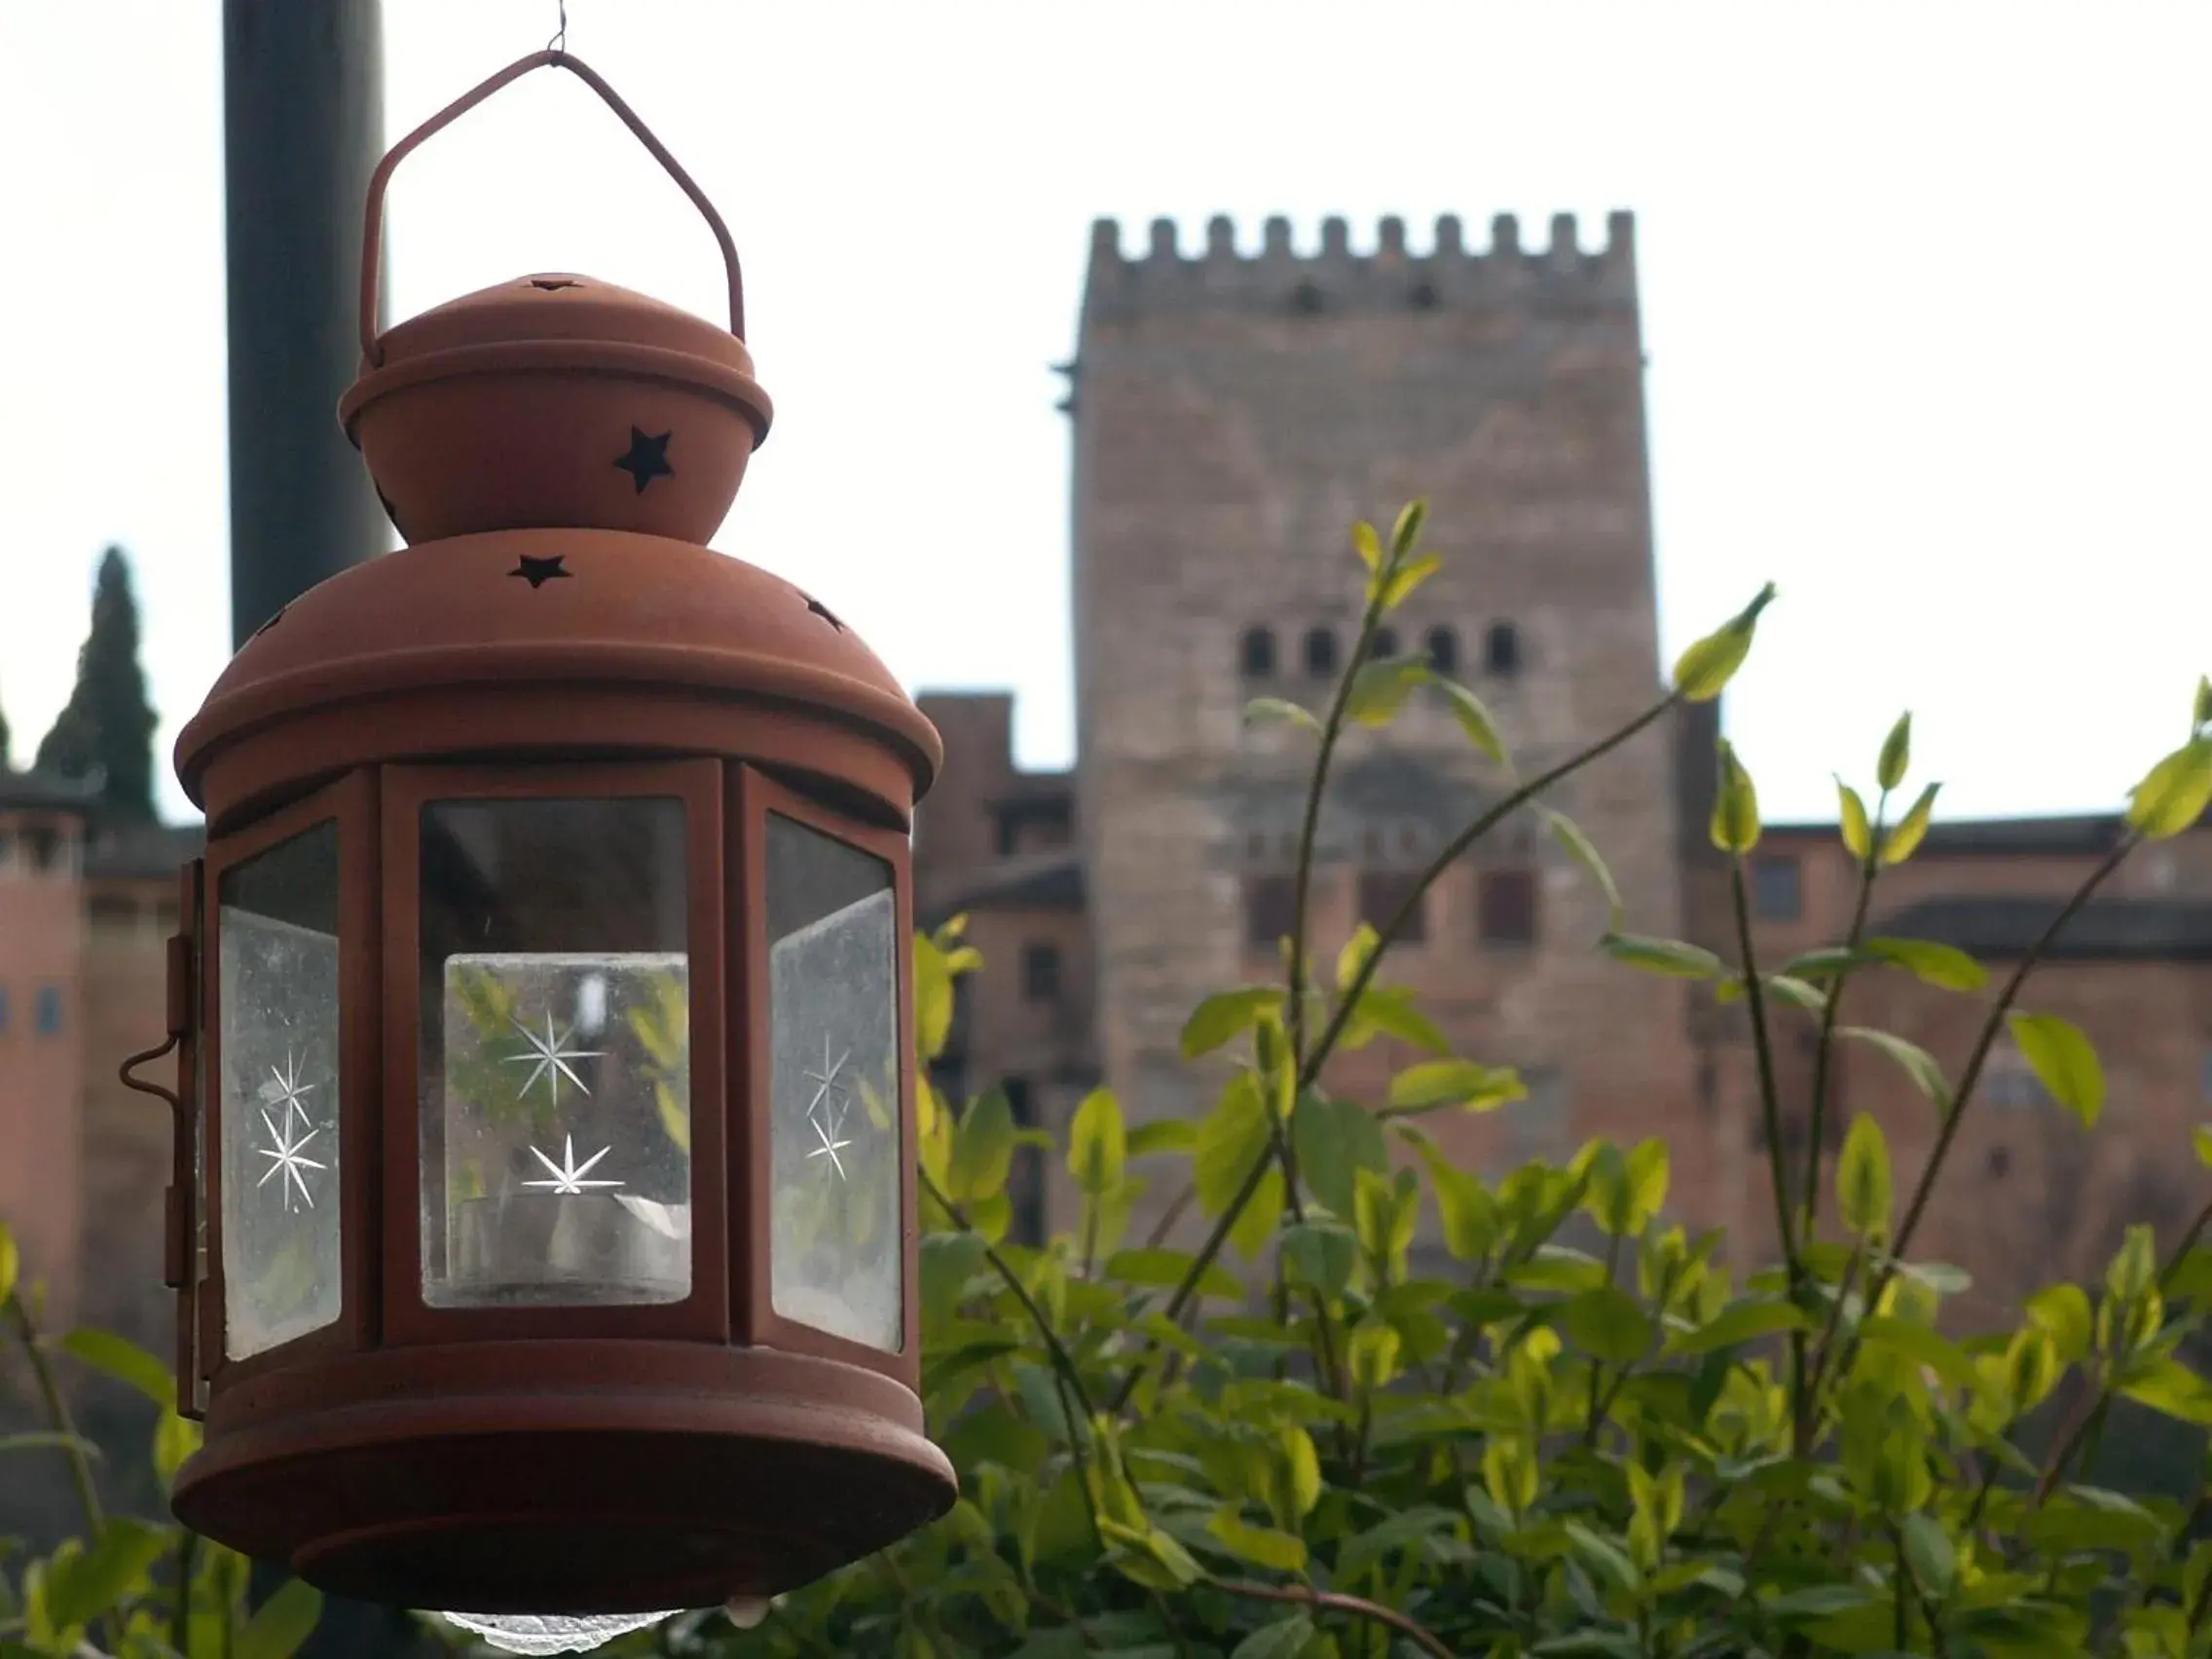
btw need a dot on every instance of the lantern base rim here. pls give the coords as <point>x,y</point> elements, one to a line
<point>564,1476</point>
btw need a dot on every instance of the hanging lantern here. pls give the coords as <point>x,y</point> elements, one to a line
<point>544,1226</point>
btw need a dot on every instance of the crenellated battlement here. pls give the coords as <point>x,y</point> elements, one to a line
<point>1219,276</point>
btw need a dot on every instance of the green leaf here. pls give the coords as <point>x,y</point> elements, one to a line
<point>2202,1141</point>
<point>2170,1387</point>
<point>982,1150</point>
<point>1463,1204</point>
<point>1258,1223</point>
<point>949,1260</point>
<point>1741,1323</point>
<point>175,1438</point>
<point>1608,1325</point>
<point>1904,837</point>
<point>280,1624</point>
<point>1389,1535</point>
<point>1922,1345</point>
<point>2201,715</point>
<point>1321,1254</point>
<point>1380,689</point>
<point>1226,1015</point>
<point>1098,1144</point>
<point>2174,793</point>
<point>1702,672</point>
<point>1435,1084</point>
<point>1858,835</point>
<point>2063,1309</point>
<point>11,1263</point>
<point>1579,847</point>
<point>1946,967</point>
<point>1402,581</point>
<point>1231,1138</point>
<point>1161,1268</point>
<point>1285,1638</point>
<point>1334,1139</point>
<point>1164,1134</point>
<point>933,998</point>
<point>1862,1191</point>
<point>1918,1063</point>
<point>124,1360</point>
<point>1928,1552</point>
<point>90,1584</point>
<point>1367,544</point>
<point>2064,1063</point>
<point>1406,531</point>
<point>1273,711</point>
<point>1735,826</point>
<point>1390,1010</point>
<point>1896,754</point>
<point>1668,956</point>
<point>1474,718</point>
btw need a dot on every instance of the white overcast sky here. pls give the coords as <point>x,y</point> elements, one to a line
<point>1924,286</point>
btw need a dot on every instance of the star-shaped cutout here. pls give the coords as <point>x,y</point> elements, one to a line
<point>568,1174</point>
<point>551,283</point>
<point>537,572</point>
<point>287,1160</point>
<point>548,1059</point>
<point>647,457</point>
<point>824,613</point>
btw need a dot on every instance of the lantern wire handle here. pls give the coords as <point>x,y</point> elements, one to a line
<point>560,35</point>
<point>148,1058</point>
<point>555,56</point>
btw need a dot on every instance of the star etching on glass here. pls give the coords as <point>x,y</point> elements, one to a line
<point>831,1102</point>
<point>568,1174</point>
<point>548,1059</point>
<point>287,1156</point>
<point>284,1086</point>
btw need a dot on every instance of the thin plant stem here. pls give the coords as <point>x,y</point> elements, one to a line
<point>57,1413</point>
<point>1326,1601</point>
<point>1770,1109</point>
<point>1824,1053</point>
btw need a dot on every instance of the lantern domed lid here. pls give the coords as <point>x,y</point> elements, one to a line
<point>535,622</point>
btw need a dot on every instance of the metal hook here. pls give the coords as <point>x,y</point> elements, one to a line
<point>560,40</point>
<point>147,1057</point>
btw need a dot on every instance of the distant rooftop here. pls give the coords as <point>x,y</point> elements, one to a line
<point>2006,926</point>
<point>142,851</point>
<point>45,790</point>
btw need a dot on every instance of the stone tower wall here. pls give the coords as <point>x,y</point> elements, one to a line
<point>1232,415</point>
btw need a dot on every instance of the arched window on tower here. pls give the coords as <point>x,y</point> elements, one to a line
<point>1256,657</point>
<point>1320,653</point>
<point>1501,649</point>
<point>1384,643</point>
<point>1442,651</point>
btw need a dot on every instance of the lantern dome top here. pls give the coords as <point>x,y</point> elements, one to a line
<point>555,399</point>
<point>528,637</point>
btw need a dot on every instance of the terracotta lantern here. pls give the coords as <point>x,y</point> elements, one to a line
<point>545,1225</point>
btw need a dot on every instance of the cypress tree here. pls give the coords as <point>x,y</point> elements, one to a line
<point>107,728</point>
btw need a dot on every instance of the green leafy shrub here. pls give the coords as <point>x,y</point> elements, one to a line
<point>1644,1451</point>
<point>125,1586</point>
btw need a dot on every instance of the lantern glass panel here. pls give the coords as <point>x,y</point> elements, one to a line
<point>554,1053</point>
<point>835,1257</point>
<point>278,989</point>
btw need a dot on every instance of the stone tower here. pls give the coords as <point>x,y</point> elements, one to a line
<point>1232,415</point>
